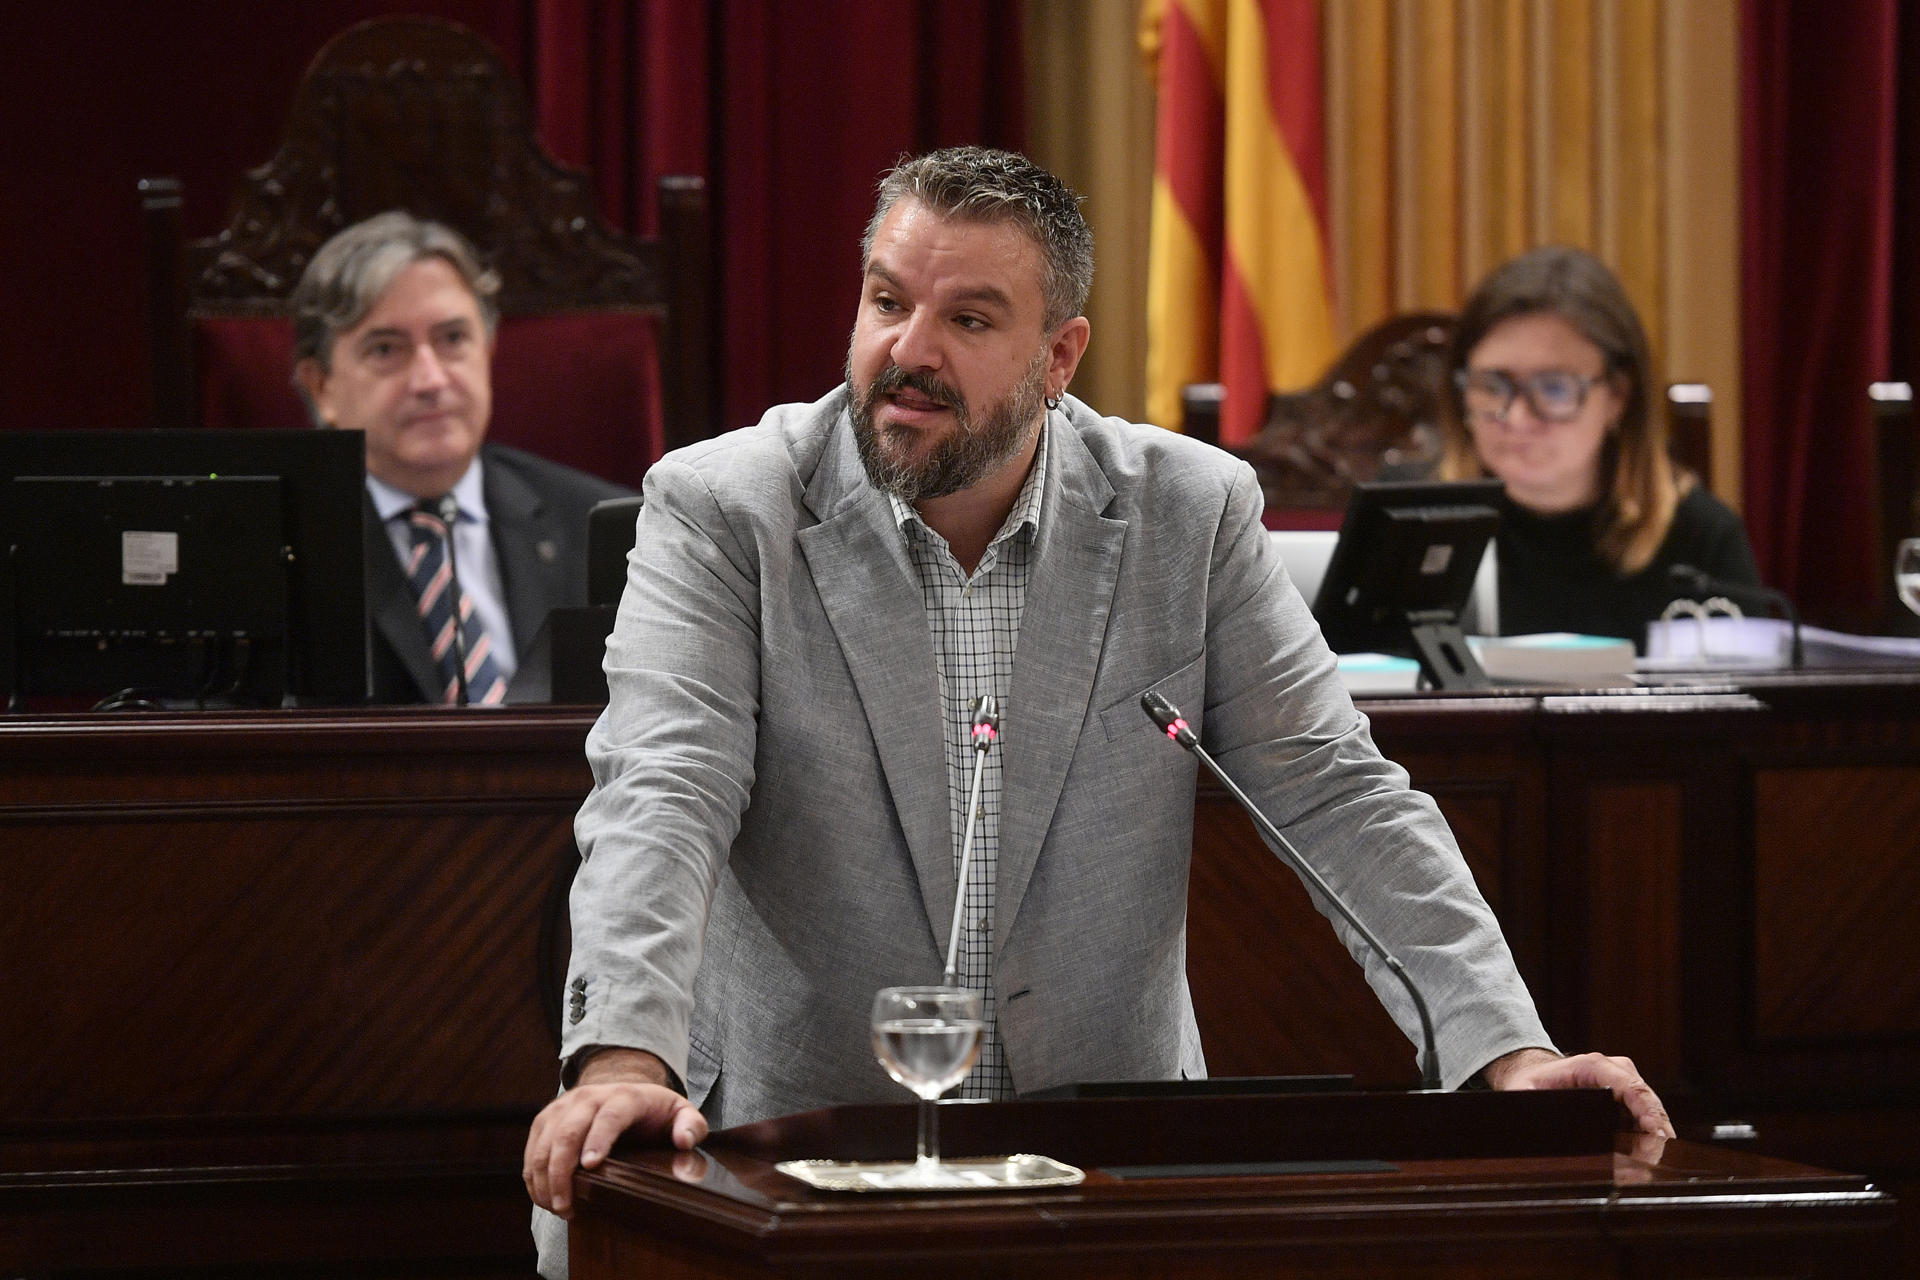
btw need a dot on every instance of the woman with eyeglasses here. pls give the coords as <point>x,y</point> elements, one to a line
<point>1551,396</point>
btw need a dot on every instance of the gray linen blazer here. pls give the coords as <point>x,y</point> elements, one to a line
<point>768,841</point>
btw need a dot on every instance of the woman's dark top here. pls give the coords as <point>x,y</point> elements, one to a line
<point>1552,579</point>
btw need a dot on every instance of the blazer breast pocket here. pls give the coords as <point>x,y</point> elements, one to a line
<point>1184,687</point>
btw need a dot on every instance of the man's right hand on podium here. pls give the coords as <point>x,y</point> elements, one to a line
<point>619,1091</point>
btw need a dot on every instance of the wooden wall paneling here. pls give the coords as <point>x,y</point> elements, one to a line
<point>393,1223</point>
<point>1814,1048</point>
<point>1824,847</point>
<point>1274,991</point>
<point>1634,855</point>
<point>1623,778</point>
<point>242,942</point>
<point>1825,931</point>
<point>270,989</point>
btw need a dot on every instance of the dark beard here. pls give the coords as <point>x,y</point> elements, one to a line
<point>966,456</point>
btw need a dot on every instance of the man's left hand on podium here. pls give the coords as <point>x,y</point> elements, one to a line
<point>1544,1069</point>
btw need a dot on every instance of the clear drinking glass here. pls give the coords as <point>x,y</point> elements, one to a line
<point>1906,573</point>
<point>927,1038</point>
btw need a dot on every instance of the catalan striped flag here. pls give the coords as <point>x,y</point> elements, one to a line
<point>1237,283</point>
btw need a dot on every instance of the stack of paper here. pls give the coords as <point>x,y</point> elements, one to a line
<point>1717,643</point>
<point>1725,644</point>
<point>1557,657</point>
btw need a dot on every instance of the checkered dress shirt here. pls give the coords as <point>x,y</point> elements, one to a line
<point>975,623</point>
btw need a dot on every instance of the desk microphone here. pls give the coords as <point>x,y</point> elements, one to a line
<point>1698,584</point>
<point>1167,716</point>
<point>986,727</point>
<point>450,516</point>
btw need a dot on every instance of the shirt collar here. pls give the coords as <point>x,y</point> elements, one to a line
<point>469,491</point>
<point>1026,507</point>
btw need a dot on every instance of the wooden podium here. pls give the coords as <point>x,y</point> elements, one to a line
<point>1324,1185</point>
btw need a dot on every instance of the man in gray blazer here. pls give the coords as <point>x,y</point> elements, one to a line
<point>812,605</point>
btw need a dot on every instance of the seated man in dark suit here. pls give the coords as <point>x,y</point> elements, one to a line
<point>394,325</point>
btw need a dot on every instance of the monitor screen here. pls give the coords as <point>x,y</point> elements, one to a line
<point>1403,569</point>
<point>182,568</point>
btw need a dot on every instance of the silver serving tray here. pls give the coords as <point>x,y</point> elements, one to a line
<point>968,1173</point>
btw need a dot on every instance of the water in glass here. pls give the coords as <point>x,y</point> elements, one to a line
<point>927,1038</point>
<point>928,1055</point>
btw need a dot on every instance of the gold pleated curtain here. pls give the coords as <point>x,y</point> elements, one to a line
<point>1461,132</point>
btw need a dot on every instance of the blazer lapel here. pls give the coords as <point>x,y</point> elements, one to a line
<point>869,593</point>
<point>526,547</point>
<point>1076,564</point>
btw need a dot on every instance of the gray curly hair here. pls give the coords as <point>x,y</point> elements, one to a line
<point>984,185</point>
<point>350,272</point>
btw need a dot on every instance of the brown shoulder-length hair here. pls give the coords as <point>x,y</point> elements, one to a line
<point>1639,486</point>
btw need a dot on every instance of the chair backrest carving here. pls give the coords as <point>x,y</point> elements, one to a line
<point>422,114</point>
<point>1379,406</point>
<point>419,114</point>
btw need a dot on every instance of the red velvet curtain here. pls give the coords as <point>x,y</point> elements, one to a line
<point>1820,90</point>
<point>791,109</point>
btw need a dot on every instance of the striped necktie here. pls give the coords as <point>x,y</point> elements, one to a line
<point>430,573</point>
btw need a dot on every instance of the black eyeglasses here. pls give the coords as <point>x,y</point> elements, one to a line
<point>1554,395</point>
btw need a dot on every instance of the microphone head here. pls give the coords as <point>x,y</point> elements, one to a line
<point>1168,717</point>
<point>449,509</point>
<point>1686,578</point>
<point>1159,710</point>
<point>986,721</point>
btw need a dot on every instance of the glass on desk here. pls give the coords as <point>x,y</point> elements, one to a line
<point>1906,573</point>
<point>927,1038</point>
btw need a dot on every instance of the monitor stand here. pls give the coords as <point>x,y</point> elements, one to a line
<point>1445,659</point>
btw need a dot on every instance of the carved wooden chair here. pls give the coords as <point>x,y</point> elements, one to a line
<point>605,354</point>
<point>1379,406</point>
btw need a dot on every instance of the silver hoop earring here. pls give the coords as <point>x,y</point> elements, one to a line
<point>1053,402</point>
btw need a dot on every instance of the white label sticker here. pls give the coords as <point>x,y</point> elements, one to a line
<point>148,559</point>
<point>1438,557</point>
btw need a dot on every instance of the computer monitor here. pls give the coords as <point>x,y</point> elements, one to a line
<point>1307,552</point>
<point>1402,573</point>
<point>182,568</point>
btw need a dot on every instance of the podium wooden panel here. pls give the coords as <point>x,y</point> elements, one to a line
<point>270,993</point>
<point>1479,1185</point>
<point>268,986</point>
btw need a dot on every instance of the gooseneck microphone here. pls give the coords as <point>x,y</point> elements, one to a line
<point>1698,584</point>
<point>986,727</point>
<point>450,516</point>
<point>1167,716</point>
